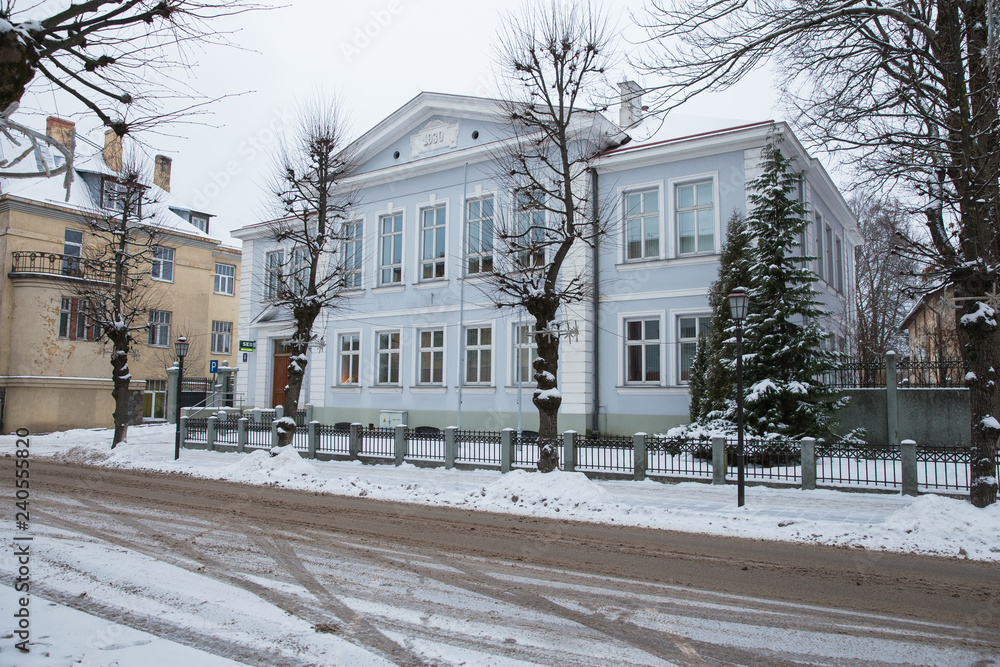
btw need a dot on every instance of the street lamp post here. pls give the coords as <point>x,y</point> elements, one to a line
<point>181,348</point>
<point>738,311</point>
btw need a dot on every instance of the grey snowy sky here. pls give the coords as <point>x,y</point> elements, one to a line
<point>374,55</point>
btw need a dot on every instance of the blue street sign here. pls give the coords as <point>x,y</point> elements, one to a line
<point>213,366</point>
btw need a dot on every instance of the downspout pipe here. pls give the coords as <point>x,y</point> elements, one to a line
<point>596,268</point>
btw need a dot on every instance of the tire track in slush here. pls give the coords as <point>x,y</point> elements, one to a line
<point>368,638</point>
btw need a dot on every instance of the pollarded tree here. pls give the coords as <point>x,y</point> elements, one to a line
<point>312,200</point>
<point>713,371</point>
<point>783,358</point>
<point>910,92</point>
<point>554,59</point>
<point>115,277</point>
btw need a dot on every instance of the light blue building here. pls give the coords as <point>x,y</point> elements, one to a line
<point>418,334</point>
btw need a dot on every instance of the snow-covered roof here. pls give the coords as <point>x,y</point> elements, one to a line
<point>90,161</point>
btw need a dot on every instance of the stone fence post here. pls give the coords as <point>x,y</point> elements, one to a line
<point>210,431</point>
<point>274,433</point>
<point>719,460</point>
<point>569,451</point>
<point>506,449</point>
<point>241,434</point>
<point>908,458</point>
<point>450,447</point>
<point>184,430</point>
<point>313,438</point>
<point>354,441</point>
<point>808,461</point>
<point>400,443</point>
<point>639,454</point>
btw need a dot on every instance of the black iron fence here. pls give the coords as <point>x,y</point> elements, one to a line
<point>929,467</point>
<point>871,374</point>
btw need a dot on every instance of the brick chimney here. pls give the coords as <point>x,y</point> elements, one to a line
<point>161,172</point>
<point>63,131</point>
<point>112,150</point>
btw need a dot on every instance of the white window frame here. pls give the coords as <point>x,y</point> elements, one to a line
<point>524,219</point>
<point>224,279</point>
<point>438,229</point>
<point>163,262</point>
<point>828,247</point>
<point>479,348</point>
<point>113,194</point>
<point>516,348</point>
<point>159,328</point>
<point>626,320</point>
<point>820,257</point>
<point>65,317</point>
<point>641,189</point>
<point>479,256</point>
<point>697,316</point>
<point>299,274</point>
<point>353,355</point>
<point>222,337</point>
<point>353,253</point>
<point>202,219</point>
<point>396,351</point>
<point>432,350</point>
<point>382,236</point>
<point>838,261</point>
<point>675,236</point>
<point>272,273</point>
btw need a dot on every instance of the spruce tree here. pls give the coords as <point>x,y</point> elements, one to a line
<point>782,355</point>
<point>713,370</point>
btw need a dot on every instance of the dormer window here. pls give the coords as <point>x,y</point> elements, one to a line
<point>200,221</point>
<point>114,195</point>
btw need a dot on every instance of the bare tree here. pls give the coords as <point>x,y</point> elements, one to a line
<point>554,59</point>
<point>313,202</point>
<point>111,56</point>
<point>909,92</point>
<point>885,277</point>
<point>116,271</point>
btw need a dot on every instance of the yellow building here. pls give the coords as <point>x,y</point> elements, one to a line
<point>54,375</point>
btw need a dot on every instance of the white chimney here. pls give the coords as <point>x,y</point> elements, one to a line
<point>630,113</point>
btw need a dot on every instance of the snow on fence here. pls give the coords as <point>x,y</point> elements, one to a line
<point>911,467</point>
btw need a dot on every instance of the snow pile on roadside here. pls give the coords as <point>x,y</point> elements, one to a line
<point>935,520</point>
<point>259,467</point>
<point>558,489</point>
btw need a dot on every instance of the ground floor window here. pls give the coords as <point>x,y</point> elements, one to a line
<point>478,355</point>
<point>690,330</point>
<point>642,351</point>
<point>154,400</point>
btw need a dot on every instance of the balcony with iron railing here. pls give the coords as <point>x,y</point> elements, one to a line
<point>34,262</point>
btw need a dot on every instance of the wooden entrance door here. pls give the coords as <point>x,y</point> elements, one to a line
<point>280,374</point>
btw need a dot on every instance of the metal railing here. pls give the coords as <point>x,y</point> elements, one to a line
<point>914,467</point>
<point>605,453</point>
<point>858,374</point>
<point>334,439</point>
<point>677,457</point>
<point>378,442</point>
<point>424,444</point>
<point>58,264</point>
<point>478,447</point>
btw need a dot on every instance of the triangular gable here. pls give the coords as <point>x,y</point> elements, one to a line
<point>429,125</point>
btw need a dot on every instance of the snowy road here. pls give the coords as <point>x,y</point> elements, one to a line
<point>267,576</point>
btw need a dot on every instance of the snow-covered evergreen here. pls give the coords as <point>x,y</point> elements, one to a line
<point>782,355</point>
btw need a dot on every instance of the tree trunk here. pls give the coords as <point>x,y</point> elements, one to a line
<point>296,373</point>
<point>122,379</point>
<point>981,350</point>
<point>546,397</point>
<point>15,70</point>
